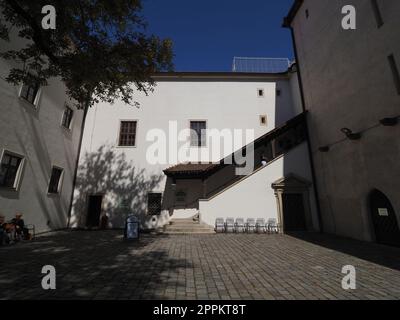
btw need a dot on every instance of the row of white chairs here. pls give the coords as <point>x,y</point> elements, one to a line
<point>250,226</point>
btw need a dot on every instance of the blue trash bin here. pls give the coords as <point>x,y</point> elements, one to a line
<point>132,228</point>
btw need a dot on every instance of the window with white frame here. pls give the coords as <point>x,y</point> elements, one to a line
<point>10,170</point>
<point>29,92</point>
<point>198,133</point>
<point>55,180</point>
<point>67,117</point>
<point>127,134</point>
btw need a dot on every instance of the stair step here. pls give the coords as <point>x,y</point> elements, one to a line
<point>184,222</point>
<point>190,229</point>
<point>189,232</point>
<point>187,226</point>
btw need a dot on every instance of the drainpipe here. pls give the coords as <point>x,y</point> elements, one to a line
<point>85,111</point>
<point>310,155</point>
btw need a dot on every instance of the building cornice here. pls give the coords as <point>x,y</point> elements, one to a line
<point>218,76</point>
<point>287,21</point>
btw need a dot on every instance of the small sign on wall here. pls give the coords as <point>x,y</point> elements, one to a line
<point>383,212</point>
<point>124,204</point>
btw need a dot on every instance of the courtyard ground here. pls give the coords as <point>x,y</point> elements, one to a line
<point>100,265</point>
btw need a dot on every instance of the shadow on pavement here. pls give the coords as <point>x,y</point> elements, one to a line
<point>372,252</point>
<point>93,265</point>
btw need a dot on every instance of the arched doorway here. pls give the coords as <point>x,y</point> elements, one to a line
<point>384,219</point>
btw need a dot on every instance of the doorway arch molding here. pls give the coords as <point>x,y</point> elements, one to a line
<point>292,184</point>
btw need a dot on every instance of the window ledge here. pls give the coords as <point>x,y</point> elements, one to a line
<point>11,189</point>
<point>66,129</point>
<point>54,195</point>
<point>28,102</point>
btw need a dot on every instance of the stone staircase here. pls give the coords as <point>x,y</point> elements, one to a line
<point>187,226</point>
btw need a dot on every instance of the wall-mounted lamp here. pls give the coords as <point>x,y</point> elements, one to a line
<point>324,149</point>
<point>350,135</point>
<point>389,122</point>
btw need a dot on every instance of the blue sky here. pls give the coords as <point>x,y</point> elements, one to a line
<point>207,34</point>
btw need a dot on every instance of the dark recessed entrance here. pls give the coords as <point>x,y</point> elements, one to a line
<point>293,203</point>
<point>294,216</point>
<point>384,219</point>
<point>94,211</point>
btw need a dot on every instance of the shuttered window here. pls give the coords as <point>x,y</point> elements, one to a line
<point>9,169</point>
<point>127,134</point>
<point>67,117</point>
<point>29,92</point>
<point>198,133</point>
<point>55,180</point>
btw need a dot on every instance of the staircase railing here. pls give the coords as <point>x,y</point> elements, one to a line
<point>275,144</point>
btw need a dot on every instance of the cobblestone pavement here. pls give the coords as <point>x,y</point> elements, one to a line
<point>99,265</point>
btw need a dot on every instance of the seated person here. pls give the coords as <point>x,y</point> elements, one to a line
<point>19,224</point>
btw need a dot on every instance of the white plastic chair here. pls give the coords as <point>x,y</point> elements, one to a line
<point>260,226</point>
<point>250,225</point>
<point>272,226</point>
<point>230,225</point>
<point>240,226</point>
<point>219,225</point>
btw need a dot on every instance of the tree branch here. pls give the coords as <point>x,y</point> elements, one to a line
<point>37,31</point>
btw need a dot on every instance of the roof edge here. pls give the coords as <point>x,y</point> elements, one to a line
<point>218,75</point>
<point>287,21</point>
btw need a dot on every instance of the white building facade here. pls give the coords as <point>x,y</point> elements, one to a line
<point>149,161</point>
<point>39,138</point>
